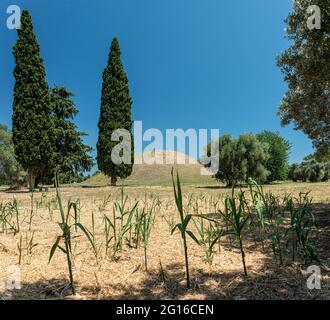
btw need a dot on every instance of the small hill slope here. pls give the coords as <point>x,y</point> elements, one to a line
<point>154,168</point>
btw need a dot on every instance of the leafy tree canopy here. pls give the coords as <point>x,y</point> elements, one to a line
<point>72,156</point>
<point>240,159</point>
<point>11,173</point>
<point>306,67</point>
<point>278,160</point>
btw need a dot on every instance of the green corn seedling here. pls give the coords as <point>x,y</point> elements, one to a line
<point>147,223</point>
<point>30,245</point>
<point>15,208</point>
<point>104,203</point>
<point>66,236</point>
<point>31,210</point>
<point>237,219</point>
<point>276,240</point>
<point>125,227</point>
<point>91,237</point>
<point>20,249</point>
<point>9,217</point>
<point>209,237</point>
<point>169,221</point>
<point>108,225</point>
<point>184,223</point>
<point>139,215</point>
<point>302,223</point>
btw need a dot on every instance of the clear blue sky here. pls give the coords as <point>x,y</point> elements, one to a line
<point>191,63</point>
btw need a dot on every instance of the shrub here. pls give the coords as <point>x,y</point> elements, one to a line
<point>310,170</point>
<point>240,159</point>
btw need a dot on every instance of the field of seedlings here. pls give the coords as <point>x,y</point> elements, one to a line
<point>173,242</point>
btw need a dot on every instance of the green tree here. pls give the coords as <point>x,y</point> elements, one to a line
<point>317,171</point>
<point>116,105</point>
<point>33,127</point>
<point>292,172</point>
<point>306,66</point>
<point>240,159</point>
<point>72,156</point>
<point>310,170</point>
<point>327,171</point>
<point>10,171</point>
<point>279,150</point>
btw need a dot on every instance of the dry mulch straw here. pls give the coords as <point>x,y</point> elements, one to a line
<point>125,278</point>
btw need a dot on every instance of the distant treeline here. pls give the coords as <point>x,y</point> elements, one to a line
<point>264,158</point>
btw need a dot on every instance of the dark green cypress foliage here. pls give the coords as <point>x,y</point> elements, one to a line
<point>72,156</point>
<point>116,105</point>
<point>33,128</point>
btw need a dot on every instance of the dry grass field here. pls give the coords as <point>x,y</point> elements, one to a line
<point>124,276</point>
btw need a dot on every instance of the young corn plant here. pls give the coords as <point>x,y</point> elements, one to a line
<point>237,219</point>
<point>20,249</point>
<point>104,203</point>
<point>292,241</point>
<point>307,245</point>
<point>226,214</point>
<point>31,210</point>
<point>183,226</point>
<point>30,245</point>
<point>261,208</point>
<point>302,223</point>
<point>66,236</point>
<point>2,217</point>
<point>41,202</point>
<point>14,206</point>
<point>147,223</point>
<point>91,237</point>
<point>9,217</point>
<point>114,226</point>
<point>209,236</point>
<point>124,228</point>
<point>119,232</point>
<point>170,221</point>
<point>267,201</point>
<point>108,225</point>
<point>276,240</point>
<point>51,205</point>
<point>121,206</point>
<point>261,221</point>
<point>139,216</point>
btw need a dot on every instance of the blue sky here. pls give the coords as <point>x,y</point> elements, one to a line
<point>191,63</point>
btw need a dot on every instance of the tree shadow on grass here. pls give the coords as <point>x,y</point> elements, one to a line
<point>270,282</point>
<point>13,191</point>
<point>213,187</point>
<point>283,283</point>
<point>105,186</point>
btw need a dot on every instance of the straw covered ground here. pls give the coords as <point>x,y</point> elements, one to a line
<point>125,276</point>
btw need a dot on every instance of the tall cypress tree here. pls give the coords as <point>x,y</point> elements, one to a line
<point>116,105</point>
<point>33,127</point>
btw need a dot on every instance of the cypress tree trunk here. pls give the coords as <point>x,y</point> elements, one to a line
<point>32,181</point>
<point>113,181</point>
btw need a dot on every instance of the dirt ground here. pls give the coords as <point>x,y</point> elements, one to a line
<point>126,278</point>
